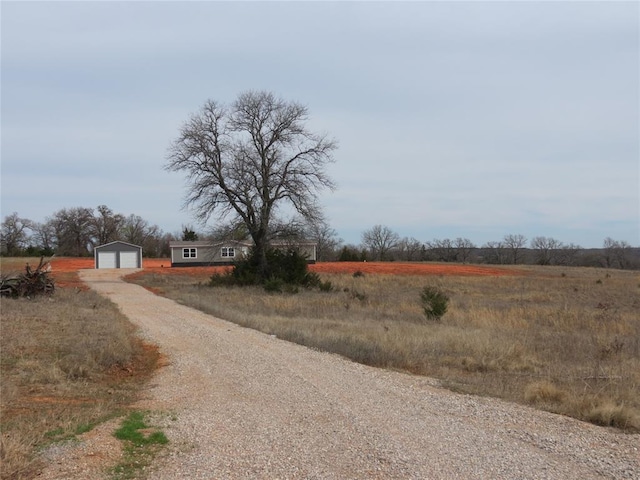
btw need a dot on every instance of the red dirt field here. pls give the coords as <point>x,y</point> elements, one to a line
<point>64,269</point>
<point>401,268</point>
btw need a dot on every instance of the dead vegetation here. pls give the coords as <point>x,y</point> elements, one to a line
<point>565,340</point>
<point>28,284</point>
<point>68,361</point>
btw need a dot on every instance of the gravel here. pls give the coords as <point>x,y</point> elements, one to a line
<point>245,405</point>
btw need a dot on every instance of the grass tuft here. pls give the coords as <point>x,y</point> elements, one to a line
<point>543,392</point>
<point>142,444</point>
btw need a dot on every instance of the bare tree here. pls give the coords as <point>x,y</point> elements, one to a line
<point>464,247</point>
<point>136,230</point>
<point>327,241</point>
<point>616,253</point>
<point>44,236</point>
<point>106,225</point>
<point>442,250</point>
<point>515,243</point>
<point>230,231</point>
<point>568,254</point>
<point>380,240</point>
<point>14,236</point>
<point>73,231</point>
<point>495,252</point>
<point>410,248</point>
<point>546,249</point>
<point>251,159</point>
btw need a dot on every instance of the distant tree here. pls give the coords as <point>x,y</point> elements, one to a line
<point>189,234</point>
<point>230,231</point>
<point>568,254</point>
<point>251,159</point>
<point>616,254</point>
<point>137,230</point>
<point>351,253</point>
<point>495,253</point>
<point>15,234</point>
<point>546,250</point>
<point>44,237</point>
<point>515,244</point>
<point>163,249</point>
<point>73,231</point>
<point>380,240</point>
<point>156,244</point>
<point>464,247</point>
<point>442,250</point>
<point>326,238</point>
<point>105,226</point>
<point>409,249</point>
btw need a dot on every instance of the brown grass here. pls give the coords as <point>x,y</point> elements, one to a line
<point>562,339</point>
<point>67,362</point>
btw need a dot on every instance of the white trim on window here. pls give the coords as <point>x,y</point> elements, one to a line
<point>189,253</point>
<point>228,252</point>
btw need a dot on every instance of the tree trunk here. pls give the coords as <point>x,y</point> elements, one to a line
<point>260,254</point>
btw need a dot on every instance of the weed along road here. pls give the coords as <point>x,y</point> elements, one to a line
<point>246,405</point>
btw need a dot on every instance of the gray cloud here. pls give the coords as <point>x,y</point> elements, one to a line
<point>465,118</point>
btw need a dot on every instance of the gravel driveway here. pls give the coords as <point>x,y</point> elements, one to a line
<point>251,406</point>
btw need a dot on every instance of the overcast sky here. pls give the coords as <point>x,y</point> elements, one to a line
<point>454,119</point>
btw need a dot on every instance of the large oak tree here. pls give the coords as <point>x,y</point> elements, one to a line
<point>249,161</point>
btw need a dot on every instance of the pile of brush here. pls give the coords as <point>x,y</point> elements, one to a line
<point>32,282</point>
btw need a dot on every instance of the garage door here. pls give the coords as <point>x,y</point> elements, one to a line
<point>128,260</point>
<point>106,259</point>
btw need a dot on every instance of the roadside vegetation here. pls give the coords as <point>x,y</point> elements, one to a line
<point>562,339</point>
<point>142,442</point>
<point>68,361</point>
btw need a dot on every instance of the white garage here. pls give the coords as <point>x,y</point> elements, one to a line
<point>118,255</point>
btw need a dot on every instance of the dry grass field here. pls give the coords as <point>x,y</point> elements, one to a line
<point>67,362</point>
<point>565,340</point>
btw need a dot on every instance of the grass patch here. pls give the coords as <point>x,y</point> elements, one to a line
<point>549,337</point>
<point>142,443</point>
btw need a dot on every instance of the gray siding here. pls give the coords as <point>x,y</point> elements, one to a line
<point>117,247</point>
<point>202,253</point>
<point>182,253</point>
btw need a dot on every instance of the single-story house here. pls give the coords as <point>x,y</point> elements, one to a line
<point>201,253</point>
<point>118,255</point>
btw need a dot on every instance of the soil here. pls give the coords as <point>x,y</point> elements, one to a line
<point>64,270</point>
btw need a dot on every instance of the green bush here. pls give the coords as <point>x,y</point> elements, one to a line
<point>285,270</point>
<point>273,285</point>
<point>434,302</point>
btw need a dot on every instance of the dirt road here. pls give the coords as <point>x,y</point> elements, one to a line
<point>250,406</point>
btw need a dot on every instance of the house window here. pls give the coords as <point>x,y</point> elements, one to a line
<point>228,252</point>
<point>188,253</point>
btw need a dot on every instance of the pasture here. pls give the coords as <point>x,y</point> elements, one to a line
<point>565,340</point>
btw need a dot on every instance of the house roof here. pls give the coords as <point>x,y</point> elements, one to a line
<point>116,242</point>
<point>244,243</point>
<point>206,243</point>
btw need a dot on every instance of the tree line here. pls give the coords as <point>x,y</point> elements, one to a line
<point>74,232</point>
<point>383,244</point>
